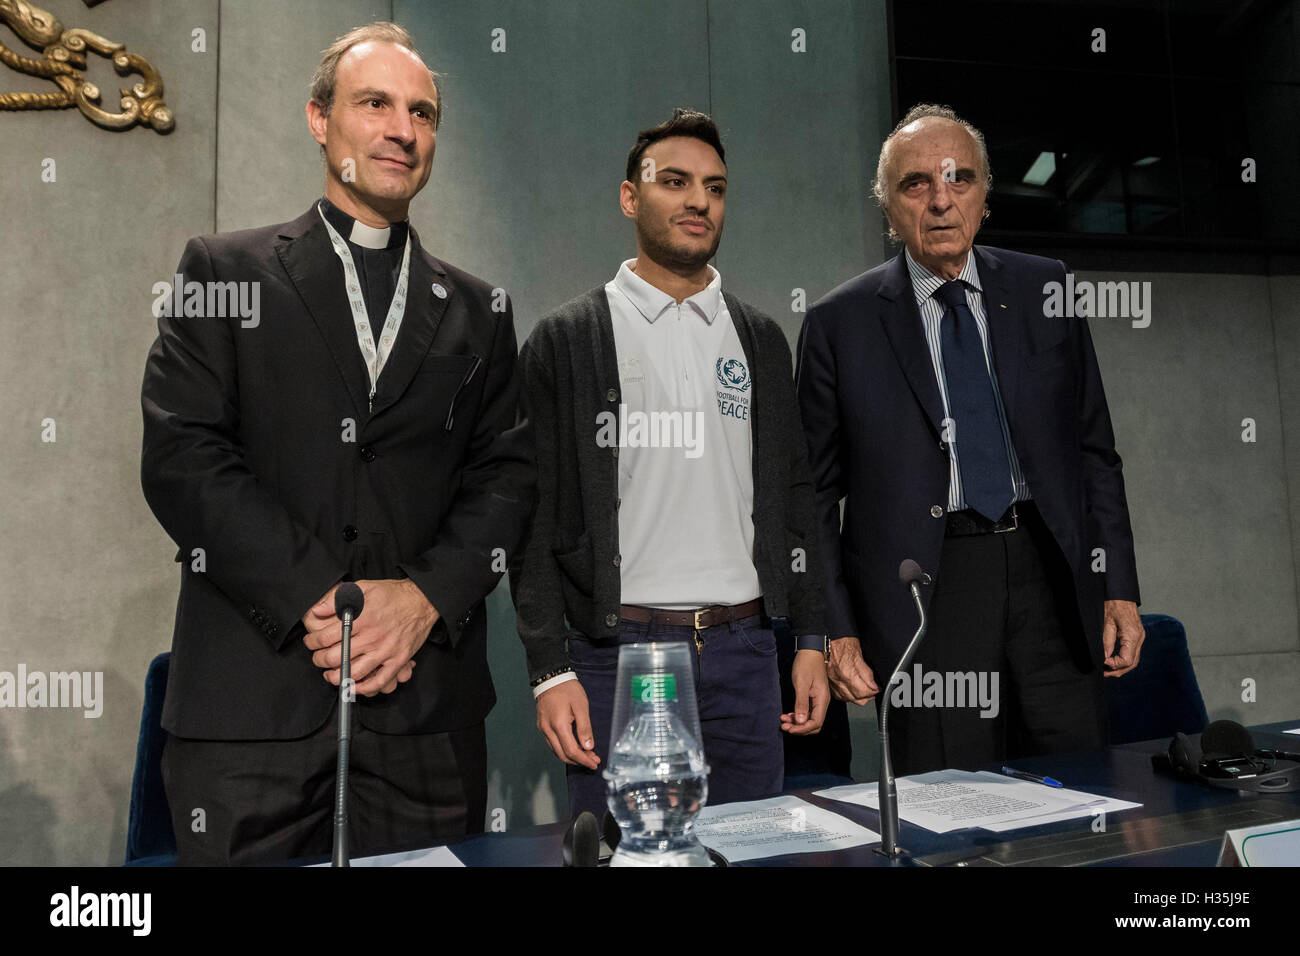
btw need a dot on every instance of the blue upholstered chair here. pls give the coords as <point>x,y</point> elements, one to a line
<point>149,837</point>
<point>1160,696</point>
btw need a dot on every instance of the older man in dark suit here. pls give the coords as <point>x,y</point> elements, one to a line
<point>964,425</point>
<point>361,427</point>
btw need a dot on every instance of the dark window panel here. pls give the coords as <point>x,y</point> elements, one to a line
<point>1035,33</point>
<point>1234,40</point>
<point>1215,135</point>
<point>1149,146</point>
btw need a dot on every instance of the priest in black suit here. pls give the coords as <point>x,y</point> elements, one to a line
<point>358,424</point>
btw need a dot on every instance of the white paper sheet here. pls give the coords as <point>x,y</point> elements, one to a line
<point>434,856</point>
<point>777,826</point>
<point>946,800</point>
<point>1088,804</point>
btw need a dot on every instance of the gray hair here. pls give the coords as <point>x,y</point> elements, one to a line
<point>882,188</point>
<point>381,31</point>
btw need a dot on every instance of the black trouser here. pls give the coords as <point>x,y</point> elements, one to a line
<point>1003,605</point>
<point>267,801</point>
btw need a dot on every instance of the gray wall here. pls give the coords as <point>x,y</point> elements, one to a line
<point>87,572</point>
<point>524,194</point>
<point>1212,515</point>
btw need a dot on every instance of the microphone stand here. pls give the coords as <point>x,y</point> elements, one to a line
<point>888,793</point>
<point>346,695</point>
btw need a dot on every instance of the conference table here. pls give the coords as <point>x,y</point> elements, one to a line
<point>1180,823</point>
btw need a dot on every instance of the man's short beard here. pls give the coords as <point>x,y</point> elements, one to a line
<point>673,258</point>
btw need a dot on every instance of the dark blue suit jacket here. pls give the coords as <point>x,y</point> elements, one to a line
<point>872,412</point>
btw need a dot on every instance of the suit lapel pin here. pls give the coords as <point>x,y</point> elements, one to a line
<point>439,291</point>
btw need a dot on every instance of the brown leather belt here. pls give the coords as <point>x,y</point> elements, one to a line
<point>699,618</point>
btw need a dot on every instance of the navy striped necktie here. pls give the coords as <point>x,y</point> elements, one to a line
<point>977,432</point>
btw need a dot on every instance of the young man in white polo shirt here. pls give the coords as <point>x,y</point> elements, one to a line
<point>674,497</point>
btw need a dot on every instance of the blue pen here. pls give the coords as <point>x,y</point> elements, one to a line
<point>1021,775</point>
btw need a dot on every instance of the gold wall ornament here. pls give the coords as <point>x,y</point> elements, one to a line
<point>63,62</point>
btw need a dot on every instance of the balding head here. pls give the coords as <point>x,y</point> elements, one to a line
<point>932,181</point>
<point>918,118</point>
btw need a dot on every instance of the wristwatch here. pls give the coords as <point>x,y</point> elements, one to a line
<point>815,642</point>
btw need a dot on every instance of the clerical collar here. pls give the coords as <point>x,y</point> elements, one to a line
<point>358,233</point>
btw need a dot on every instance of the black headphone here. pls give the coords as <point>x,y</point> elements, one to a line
<point>1227,757</point>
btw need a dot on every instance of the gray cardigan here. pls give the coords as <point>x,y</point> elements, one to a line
<point>566,575</point>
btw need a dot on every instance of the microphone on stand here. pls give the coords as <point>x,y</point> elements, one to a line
<point>912,577</point>
<point>348,602</point>
<point>582,841</point>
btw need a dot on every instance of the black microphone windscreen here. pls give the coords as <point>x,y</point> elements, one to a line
<point>348,596</point>
<point>1226,737</point>
<point>582,841</point>
<point>910,572</point>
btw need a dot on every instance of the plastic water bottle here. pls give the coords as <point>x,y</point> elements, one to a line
<point>657,780</point>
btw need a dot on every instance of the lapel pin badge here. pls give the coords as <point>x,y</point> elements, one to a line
<point>439,290</point>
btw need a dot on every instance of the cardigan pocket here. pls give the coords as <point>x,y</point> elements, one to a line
<point>578,567</point>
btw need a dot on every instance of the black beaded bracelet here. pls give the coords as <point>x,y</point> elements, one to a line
<point>545,677</point>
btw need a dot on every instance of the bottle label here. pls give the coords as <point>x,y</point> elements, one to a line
<point>649,688</point>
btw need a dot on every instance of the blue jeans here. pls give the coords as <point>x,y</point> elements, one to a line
<point>739,697</point>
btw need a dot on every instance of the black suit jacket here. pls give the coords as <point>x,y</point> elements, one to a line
<point>261,449</point>
<point>872,413</point>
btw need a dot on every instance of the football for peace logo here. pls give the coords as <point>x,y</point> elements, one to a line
<point>732,373</point>
<point>734,378</point>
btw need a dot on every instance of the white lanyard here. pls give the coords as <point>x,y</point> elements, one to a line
<point>375,357</point>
